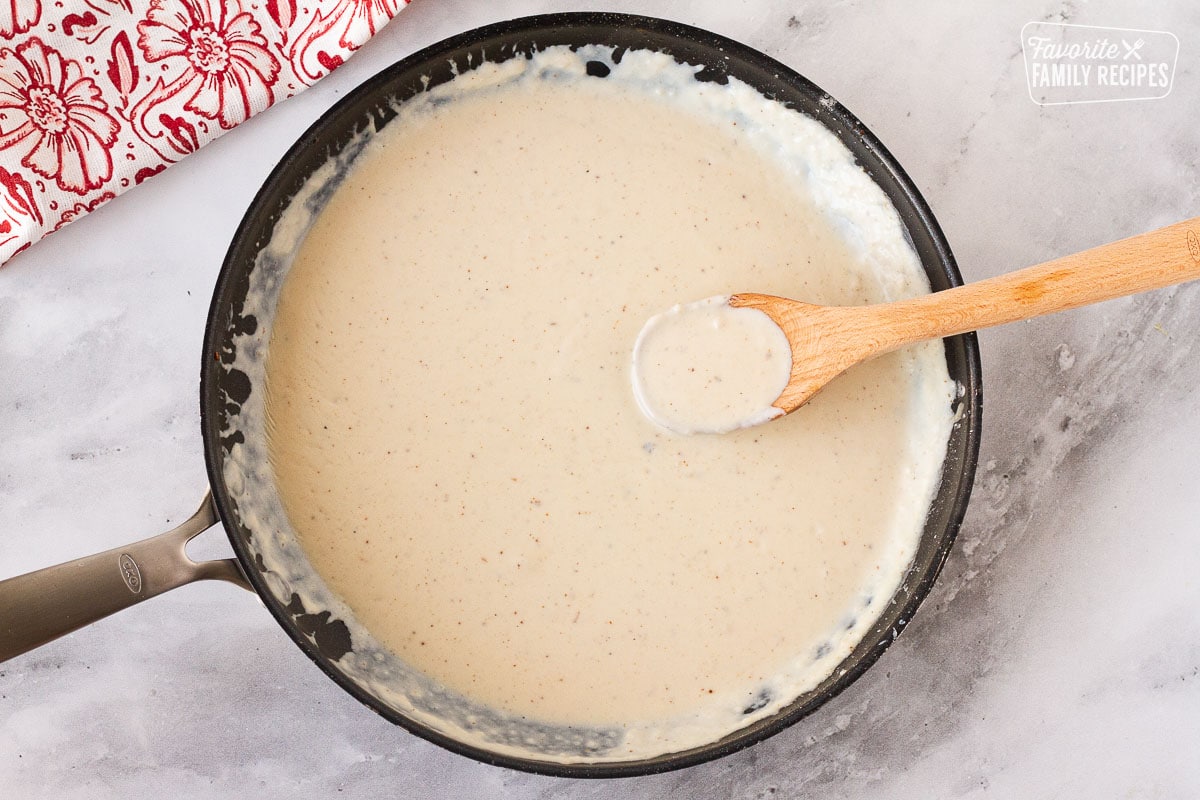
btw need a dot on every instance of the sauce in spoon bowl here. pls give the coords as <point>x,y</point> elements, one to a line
<point>706,367</point>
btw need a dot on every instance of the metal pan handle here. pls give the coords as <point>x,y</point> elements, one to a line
<point>41,606</point>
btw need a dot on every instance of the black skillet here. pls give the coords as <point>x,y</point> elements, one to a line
<point>60,599</point>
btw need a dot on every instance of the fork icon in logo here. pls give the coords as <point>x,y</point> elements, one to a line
<point>1132,49</point>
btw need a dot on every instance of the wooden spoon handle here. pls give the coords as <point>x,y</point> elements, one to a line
<point>1152,260</point>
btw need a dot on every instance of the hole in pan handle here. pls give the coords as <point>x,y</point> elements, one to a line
<point>44,605</point>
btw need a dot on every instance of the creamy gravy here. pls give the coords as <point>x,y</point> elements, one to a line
<point>706,367</point>
<point>454,438</point>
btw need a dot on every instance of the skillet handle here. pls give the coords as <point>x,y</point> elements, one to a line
<point>41,606</point>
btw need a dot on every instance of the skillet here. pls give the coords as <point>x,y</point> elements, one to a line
<point>60,599</point>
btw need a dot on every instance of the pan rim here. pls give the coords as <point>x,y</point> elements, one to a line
<point>966,346</point>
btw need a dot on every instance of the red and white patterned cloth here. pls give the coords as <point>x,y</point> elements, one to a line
<point>96,96</point>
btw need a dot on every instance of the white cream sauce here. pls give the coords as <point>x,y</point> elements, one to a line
<point>706,367</point>
<point>454,439</point>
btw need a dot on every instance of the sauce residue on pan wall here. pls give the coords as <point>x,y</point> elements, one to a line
<point>456,443</point>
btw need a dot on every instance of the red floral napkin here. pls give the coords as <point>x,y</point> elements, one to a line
<point>96,96</point>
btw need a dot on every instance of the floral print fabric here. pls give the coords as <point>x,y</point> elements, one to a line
<point>96,96</point>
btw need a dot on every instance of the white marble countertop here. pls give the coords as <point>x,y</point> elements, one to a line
<point>1058,655</point>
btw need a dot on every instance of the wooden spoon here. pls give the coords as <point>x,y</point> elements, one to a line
<point>828,340</point>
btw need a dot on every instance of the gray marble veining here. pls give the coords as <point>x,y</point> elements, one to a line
<point>1059,654</point>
